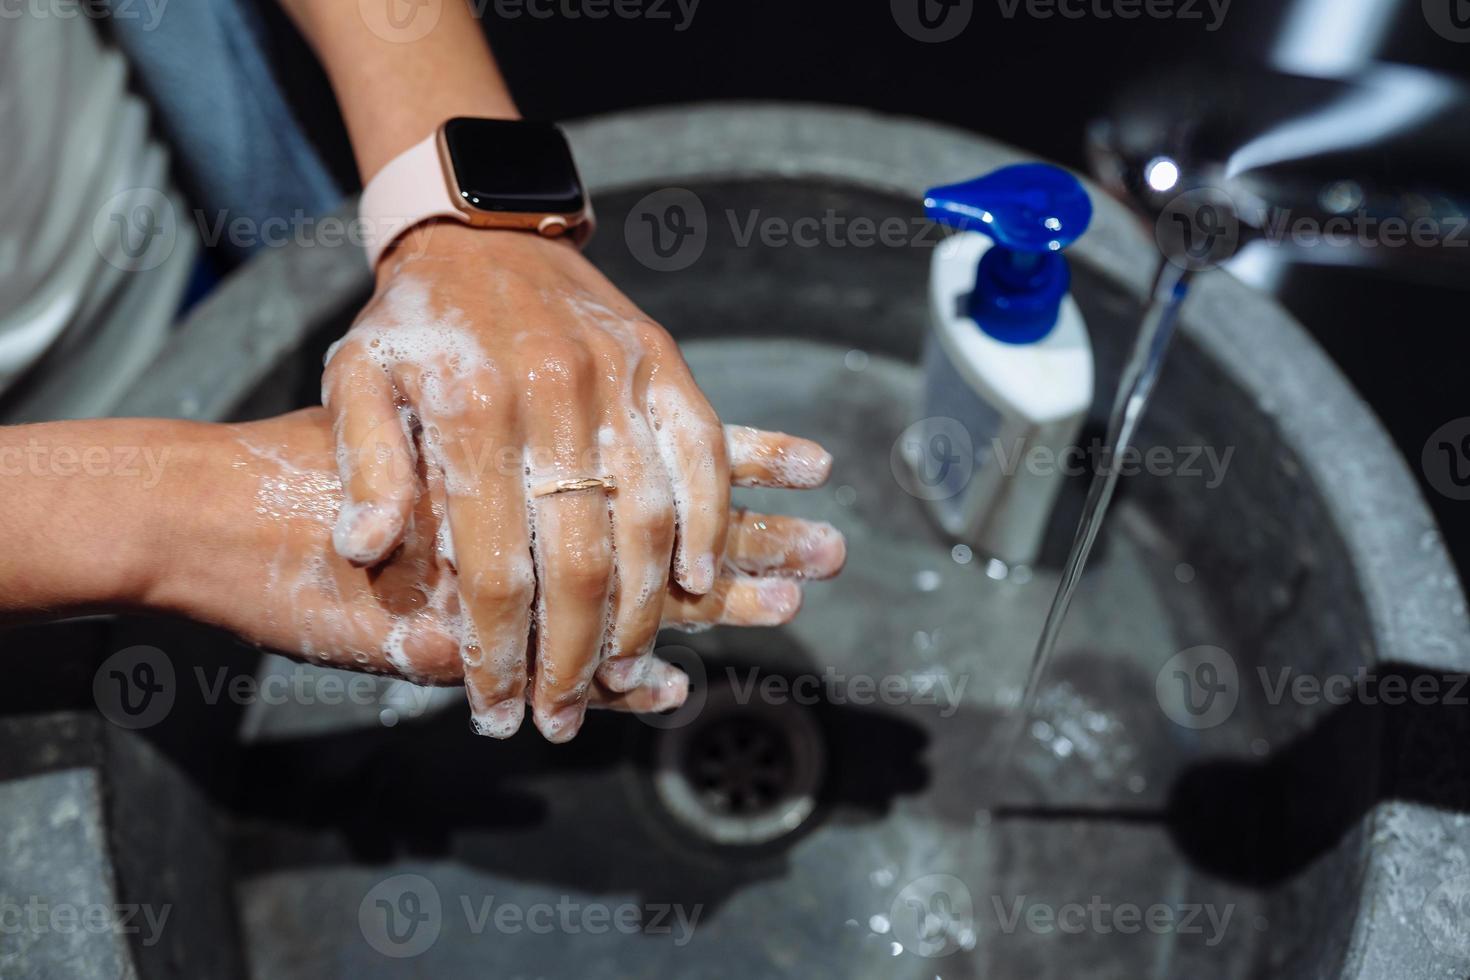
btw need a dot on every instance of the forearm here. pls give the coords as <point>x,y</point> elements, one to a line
<point>87,523</point>
<point>394,89</point>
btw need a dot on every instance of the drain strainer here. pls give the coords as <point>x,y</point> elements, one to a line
<point>742,773</point>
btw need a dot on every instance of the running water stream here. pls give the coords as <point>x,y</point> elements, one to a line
<point>1135,389</point>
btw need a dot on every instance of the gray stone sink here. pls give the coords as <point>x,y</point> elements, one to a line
<point>849,821</point>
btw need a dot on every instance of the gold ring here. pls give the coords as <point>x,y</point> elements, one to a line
<point>582,483</point>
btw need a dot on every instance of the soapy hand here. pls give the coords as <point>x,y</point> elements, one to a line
<point>514,364</point>
<point>404,618</point>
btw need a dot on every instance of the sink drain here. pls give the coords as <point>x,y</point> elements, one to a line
<point>743,773</point>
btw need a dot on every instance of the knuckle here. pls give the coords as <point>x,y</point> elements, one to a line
<point>587,577</point>
<point>655,523</point>
<point>438,658</point>
<point>494,686</point>
<point>567,362</point>
<point>511,585</point>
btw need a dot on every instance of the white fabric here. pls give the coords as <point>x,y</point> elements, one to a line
<point>74,140</point>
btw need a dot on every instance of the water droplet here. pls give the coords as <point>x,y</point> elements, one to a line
<point>961,554</point>
<point>1184,572</point>
<point>856,360</point>
<point>996,569</point>
<point>927,580</point>
<point>879,924</point>
<point>388,717</point>
<point>846,495</point>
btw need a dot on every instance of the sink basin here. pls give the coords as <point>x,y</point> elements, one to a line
<point>828,804</point>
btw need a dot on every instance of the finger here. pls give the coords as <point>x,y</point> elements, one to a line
<point>572,535</point>
<point>774,459</point>
<point>692,444</point>
<point>735,600</point>
<point>769,544</point>
<point>489,542</point>
<point>664,686</point>
<point>643,542</point>
<point>374,456</point>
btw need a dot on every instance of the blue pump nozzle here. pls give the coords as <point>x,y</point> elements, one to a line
<point>1032,211</point>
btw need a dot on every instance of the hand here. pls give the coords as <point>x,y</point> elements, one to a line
<point>266,502</point>
<point>515,364</point>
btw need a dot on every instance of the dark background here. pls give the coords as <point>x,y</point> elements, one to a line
<point>1031,82</point>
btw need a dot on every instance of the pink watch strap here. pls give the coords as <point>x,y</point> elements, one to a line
<point>410,190</point>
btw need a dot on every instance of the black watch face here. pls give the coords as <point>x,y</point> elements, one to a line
<point>513,165</point>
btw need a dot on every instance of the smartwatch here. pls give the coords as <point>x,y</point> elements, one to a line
<point>488,173</point>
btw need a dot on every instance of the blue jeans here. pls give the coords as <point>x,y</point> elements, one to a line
<point>238,148</point>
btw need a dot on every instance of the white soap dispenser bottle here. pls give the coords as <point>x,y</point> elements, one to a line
<point>1008,363</point>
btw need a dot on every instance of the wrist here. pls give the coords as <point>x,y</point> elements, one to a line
<point>200,525</point>
<point>172,530</point>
